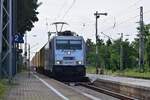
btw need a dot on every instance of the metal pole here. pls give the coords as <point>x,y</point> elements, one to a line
<point>10,40</point>
<point>141,41</point>
<point>25,51</point>
<point>48,33</point>
<point>29,58</point>
<point>97,15</point>
<point>15,45</point>
<point>121,52</point>
<point>96,56</point>
<point>56,29</point>
<point>1,33</point>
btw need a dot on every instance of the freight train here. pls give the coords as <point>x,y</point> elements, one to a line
<point>62,56</point>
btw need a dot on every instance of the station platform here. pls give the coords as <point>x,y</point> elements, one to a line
<point>35,86</point>
<point>124,80</point>
<point>133,87</point>
<point>25,87</point>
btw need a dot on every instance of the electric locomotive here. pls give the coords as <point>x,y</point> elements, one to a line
<point>68,55</point>
<point>63,56</point>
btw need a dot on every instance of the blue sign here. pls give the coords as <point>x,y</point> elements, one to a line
<point>18,38</point>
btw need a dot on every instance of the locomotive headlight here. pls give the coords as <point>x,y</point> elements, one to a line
<point>68,53</point>
<point>79,62</point>
<point>58,62</point>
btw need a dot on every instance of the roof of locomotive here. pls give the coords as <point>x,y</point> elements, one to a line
<point>66,35</point>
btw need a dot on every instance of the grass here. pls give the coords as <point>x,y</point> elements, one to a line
<point>134,73</point>
<point>125,73</point>
<point>90,70</point>
<point>3,88</point>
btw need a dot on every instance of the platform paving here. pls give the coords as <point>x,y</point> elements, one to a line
<point>124,80</point>
<point>29,88</point>
<point>133,87</point>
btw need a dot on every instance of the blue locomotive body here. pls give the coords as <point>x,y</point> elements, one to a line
<point>63,56</point>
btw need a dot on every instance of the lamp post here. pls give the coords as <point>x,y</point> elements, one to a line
<point>27,55</point>
<point>29,59</point>
<point>29,52</point>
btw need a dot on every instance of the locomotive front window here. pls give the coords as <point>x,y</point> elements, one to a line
<point>62,44</point>
<point>76,44</point>
<point>69,44</point>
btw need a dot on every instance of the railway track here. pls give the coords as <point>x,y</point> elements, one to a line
<point>86,83</point>
<point>104,91</point>
<point>87,88</point>
<point>89,85</point>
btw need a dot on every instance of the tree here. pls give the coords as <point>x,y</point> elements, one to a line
<point>147,44</point>
<point>109,52</point>
<point>108,42</point>
<point>89,45</point>
<point>26,15</point>
<point>90,50</point>
<point>107,58</point>
<point>115,55</point>
<point>129,55</point>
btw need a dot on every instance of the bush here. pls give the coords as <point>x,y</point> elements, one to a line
<point>2,88</point>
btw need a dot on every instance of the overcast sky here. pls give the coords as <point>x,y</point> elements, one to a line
<point>123,16</point>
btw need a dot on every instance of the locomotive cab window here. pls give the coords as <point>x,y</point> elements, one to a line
<point>69,44</point>
<point>62,44</point>
<point>76,44</point>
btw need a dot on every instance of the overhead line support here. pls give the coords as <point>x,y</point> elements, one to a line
<point>141,41</point>
<point>1,32</point>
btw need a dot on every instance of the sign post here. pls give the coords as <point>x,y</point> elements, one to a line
<point>18,38</point>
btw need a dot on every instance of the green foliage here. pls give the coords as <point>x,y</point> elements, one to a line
<point>2,88</point>
<point>135,73</point>
<point>90,48</point>
<point>109,52</point>
<point>146,45</point>
<point>26,15</point>
<point>91,70</point>
<point>126,73</point>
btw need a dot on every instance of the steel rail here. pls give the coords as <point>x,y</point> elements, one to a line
<point>107,92</point>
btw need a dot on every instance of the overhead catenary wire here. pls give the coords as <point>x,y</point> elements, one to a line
<point>115,21</point>
<point>146,12</point>
<point>107,36</point>
<point>123,11</point>
<point>68,9</point>
<point>132,5</point>
<point>61,9</point>
<point>125,21</point>
<point>119,13</point>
